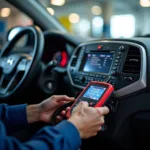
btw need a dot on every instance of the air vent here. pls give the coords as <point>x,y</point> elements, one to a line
<point>75,58</point>
<point>133,61</point>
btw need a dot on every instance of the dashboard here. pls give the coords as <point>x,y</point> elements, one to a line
<point>124,63</point>
<point>121,63</point>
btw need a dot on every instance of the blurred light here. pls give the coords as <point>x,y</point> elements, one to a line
<point>97,26</point>
<point>122,26</point>
<point>96,10</point>
<point>5,12</point>
<point>50,10</point>
<point>58,2</point>
<point>99,46</point>
<point>74,18</point>
<point>97,22</point>
<point>82,28</point>
<point>145,3</point>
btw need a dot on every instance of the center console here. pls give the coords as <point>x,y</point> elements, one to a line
<point>122,64</point>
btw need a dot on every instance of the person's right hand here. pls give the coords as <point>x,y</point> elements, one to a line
<point>88,120</point>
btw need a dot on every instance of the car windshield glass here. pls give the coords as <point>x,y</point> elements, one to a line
<point>102,18</point>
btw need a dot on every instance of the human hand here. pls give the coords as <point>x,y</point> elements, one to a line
<point>88,120</point>
<point>63,114</point>
<point>44,111</point>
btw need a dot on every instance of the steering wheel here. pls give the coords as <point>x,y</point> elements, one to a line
<point>54,120</point>
<point>17,70</point>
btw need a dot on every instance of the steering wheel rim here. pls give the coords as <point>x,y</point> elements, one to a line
<point>13,65</point>
<point>58,111</point>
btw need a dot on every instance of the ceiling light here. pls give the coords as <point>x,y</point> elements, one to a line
<point>50,10</point>
<point>145,3</point>
<point>84,26</point>
<point>96,10</point>
<point>97,22</point>
<point>58,2</point>
<point>5,12</point>
<point>74,18</point>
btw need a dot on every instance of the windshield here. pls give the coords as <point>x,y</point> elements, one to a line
<point>102,18</point>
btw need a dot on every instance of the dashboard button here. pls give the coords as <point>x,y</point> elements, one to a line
<point>116,64</point>
<point>121,48</point>
<point>49,85</point>
<point>116,61</point>
<point>128,78</point>
<point>118,57</point>
<point>119,53</point>
<point>77,81</point>
<point>114,73</point>
<point>100,80</point>
<point>114,68</point>
<point>113,83</point>
<point>88,79</point>
<point>113,78</point>
<point>83,73</point>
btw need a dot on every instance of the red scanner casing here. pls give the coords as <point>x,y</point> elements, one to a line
<point>102,101</point>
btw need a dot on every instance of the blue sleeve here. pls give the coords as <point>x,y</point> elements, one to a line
<point>13,117</point>
<point>64,136</point>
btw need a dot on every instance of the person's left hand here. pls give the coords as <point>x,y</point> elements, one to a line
<point>50,105</point>
<point>44,111</point>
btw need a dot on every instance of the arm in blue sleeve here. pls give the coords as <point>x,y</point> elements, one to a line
<point>64,136</point>
<point>13,117</point>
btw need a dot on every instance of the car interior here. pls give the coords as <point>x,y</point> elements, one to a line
<point>44,59</point>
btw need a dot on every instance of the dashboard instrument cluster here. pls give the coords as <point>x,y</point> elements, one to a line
<point>61,58</point>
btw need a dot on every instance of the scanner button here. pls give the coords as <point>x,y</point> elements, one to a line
<point>91,104</point>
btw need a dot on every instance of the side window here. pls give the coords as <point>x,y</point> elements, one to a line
<point>9,18</point>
